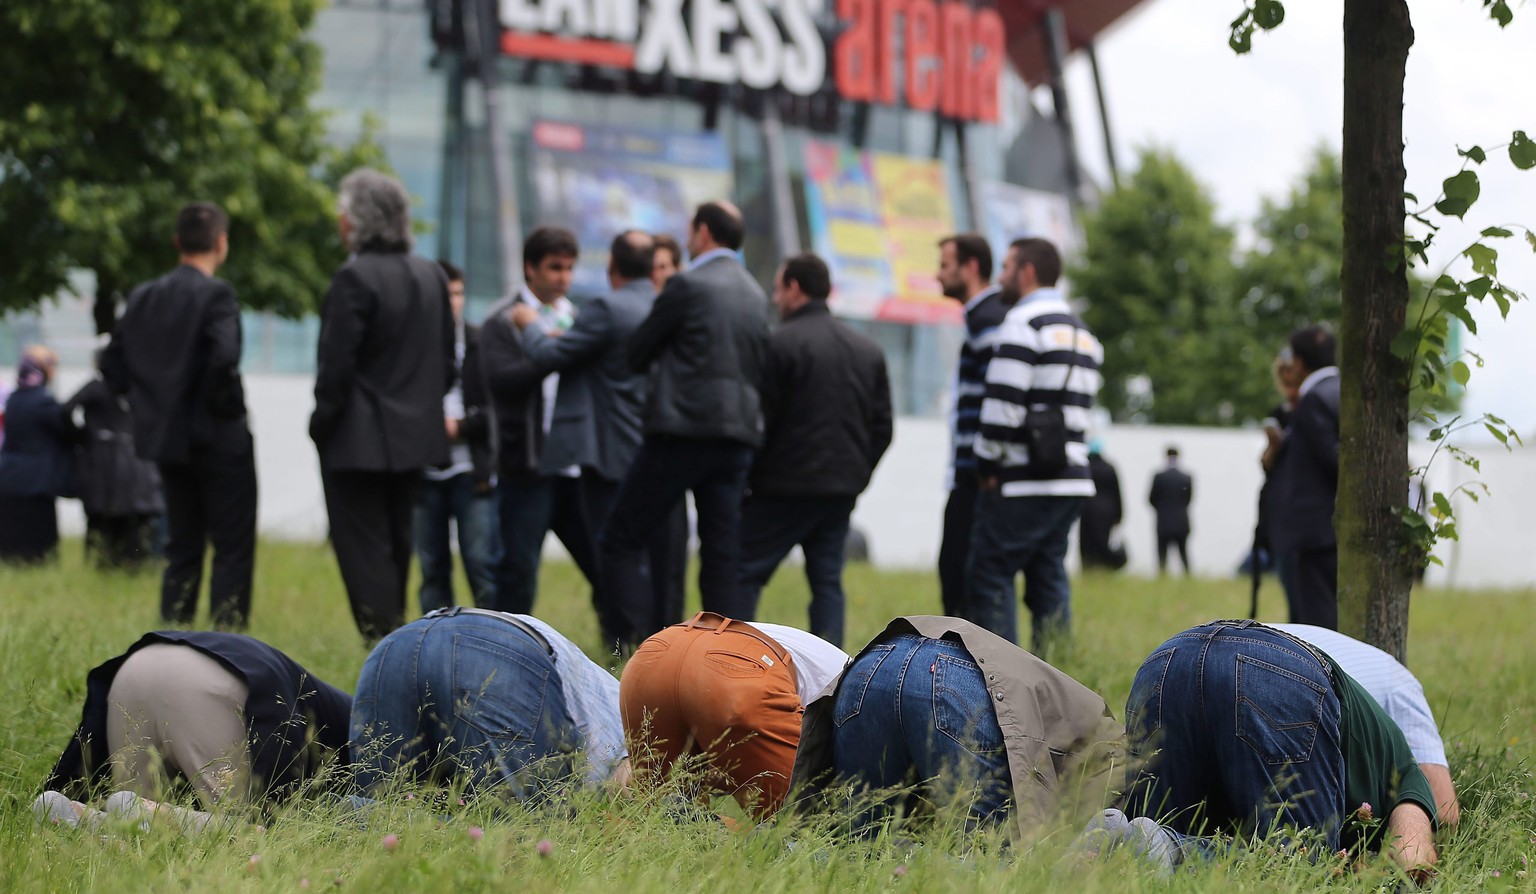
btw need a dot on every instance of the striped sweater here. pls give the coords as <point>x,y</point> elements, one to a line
<point>1043,356</point>
<point>983,314</point>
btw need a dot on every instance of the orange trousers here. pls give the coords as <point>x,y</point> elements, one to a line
<point>720,689</point>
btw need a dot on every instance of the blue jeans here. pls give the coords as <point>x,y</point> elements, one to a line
<point>1028,534</point>
<point>531,507</point>
<point>465,696</point>
<point>475,515</point>
<point>1235,727</point>
<point>914,709</point>
<point>772,526</point>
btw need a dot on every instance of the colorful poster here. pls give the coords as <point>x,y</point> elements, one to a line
<point>877,220</point>
<point>1012,212</point>
<point>599,181</point>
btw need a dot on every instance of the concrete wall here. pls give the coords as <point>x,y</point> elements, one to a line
<point>903,510</point>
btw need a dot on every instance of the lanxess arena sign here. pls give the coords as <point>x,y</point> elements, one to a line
<point>951,53</point>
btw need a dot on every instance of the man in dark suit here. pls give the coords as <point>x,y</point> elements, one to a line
<point>827,414</point>
<point>703,343</point>
<point>176,355</point>
<point>1103,511</point>
<point>1172,491</point>
<point>385,361</point>
<point>597,423</point>
<point>535,499</point>
<point>1306,481</point>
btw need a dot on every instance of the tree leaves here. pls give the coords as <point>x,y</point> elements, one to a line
<point>1461,191</point>
<point>1499,11</point>
<point>1522,151</point>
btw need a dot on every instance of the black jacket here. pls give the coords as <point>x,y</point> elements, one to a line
<point>113,481</point>
<point>176,354</point>
<point>1172,491</point>
<point>516,392</point>
<point>1306,477</point>
<point>38,458</point>
<point>477,428</point>
<point>703,343</point>
<point>385,361</point>
<point>827,408</point>
<point>291,716</point>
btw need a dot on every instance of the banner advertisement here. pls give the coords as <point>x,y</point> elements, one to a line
<point>1012,212</point>
<point>877,220</point>
<point>599,181</point>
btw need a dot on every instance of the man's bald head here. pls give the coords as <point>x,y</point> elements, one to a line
<point>630,256</point>
<point>716,225</point>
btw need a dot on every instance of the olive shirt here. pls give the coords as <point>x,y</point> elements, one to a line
<point>1065,750</point>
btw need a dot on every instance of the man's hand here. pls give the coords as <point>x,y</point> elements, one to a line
<point>452,425</point>
<point>522,315</point>
<point>987,482</point>
<point>1410,839</point>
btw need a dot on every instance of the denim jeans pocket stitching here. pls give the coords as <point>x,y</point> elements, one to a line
<point>1135,728</point>
<point>966,733</point>
<point>1302,733</point>
<point>866,670</point>
<point>467,697</point>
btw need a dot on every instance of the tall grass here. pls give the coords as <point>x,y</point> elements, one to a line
<point>1472,651</point>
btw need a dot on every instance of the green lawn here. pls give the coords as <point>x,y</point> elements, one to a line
<point>1472,651</point>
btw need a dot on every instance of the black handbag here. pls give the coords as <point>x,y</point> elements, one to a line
<point>1045,429</point>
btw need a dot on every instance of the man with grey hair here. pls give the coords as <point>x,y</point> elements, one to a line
<point>386,358</point>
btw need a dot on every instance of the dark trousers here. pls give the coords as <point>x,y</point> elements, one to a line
<point>210,500</point>
<point>370,515</point>
<point>1028,534</point>
<point>955,550</point>
<point>120,541</point>
<point>666,557</point>
<point>1177,541</point>
<point>1317,587</point>
<point>664,469</point>
<point>531,507</point>
<point>772,526</point>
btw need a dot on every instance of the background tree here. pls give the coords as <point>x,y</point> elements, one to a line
<point>1158,281</point>
<point>116,112</point>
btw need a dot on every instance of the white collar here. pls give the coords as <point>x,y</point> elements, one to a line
<point>981,296</point>
<point>1311,380</point>
<point>710,255</point>
<point>1044,293</point>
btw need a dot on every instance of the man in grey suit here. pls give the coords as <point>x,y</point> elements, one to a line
<point>597,419</point>
<point>704,343</point>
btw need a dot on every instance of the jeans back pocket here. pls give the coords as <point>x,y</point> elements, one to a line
<point>1278,711</point>
<point>855,683</point>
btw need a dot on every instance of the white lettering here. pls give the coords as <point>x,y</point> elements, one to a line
<point>759,51</point>
<point>805,59</point>
<point>520,15</point>
<point>567,16</point>
<point>711,20</point>
<point>616,19</point>
<point>664,42</point>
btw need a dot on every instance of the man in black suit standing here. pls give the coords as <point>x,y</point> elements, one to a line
<point>827,413</point>
<point>386,358</point>
<point>704,343</point>
<point>1306,482</point>
<point>1172,491</point>
<point>176,355</point>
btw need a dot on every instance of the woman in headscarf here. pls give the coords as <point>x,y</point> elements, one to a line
<point>36,462</point>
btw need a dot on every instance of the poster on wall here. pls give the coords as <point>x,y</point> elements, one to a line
<point>599,181</point>
<point>1013,212</point>
<point>877,220</point>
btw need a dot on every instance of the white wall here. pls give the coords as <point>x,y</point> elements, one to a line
<point>902,513</point>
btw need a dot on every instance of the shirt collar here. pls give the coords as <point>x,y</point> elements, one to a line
<point>1311,380</point>
<point>1044,293</point>
<point>981,296</point>
<point>710,255</point>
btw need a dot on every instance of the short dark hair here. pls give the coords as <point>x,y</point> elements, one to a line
<point>1314,346</point>
<point>723,223</point>
<point>1173,451</point>
<point>451,270</point>
<point>1042,255</point>
<point>632,254</point>
<point>810,273</point>
<point>199,226</point>
<point>671,246</point>
<point>546,241</point>
<point>971,247</point>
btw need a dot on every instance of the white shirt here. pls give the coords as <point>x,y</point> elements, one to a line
<point>591,698</point>
<point>817,662</point>
<point>1313,378</point>
<point>1393,686</point>
<point>557,316</point>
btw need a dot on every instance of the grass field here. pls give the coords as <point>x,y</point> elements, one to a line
<point>1473,652</point>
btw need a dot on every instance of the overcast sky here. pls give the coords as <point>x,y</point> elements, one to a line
<point>1246,125</point>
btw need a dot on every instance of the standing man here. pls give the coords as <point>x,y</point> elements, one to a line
<point>1032,451</point>
<point>597,417</point>
<point>965,273</point>
<point>703,343</point>
<point>176,355</point>
<point>1172,491</point>
<point>535,499</point>
<point>827,411</point>
<point>385,361</point>
<point>1306,482</point>
<point>464,490</point>
<point>1103,511</point>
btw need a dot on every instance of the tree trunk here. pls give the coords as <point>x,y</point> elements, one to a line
<point>1375,573</point>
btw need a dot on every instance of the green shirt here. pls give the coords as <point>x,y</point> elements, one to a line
<point>1378,767</point>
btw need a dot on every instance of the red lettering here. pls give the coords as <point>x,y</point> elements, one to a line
<point>955,47</point>
<point>855,51</point>
<point>922,55</point>
<point>886,49</point>
<point>987,66</point>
